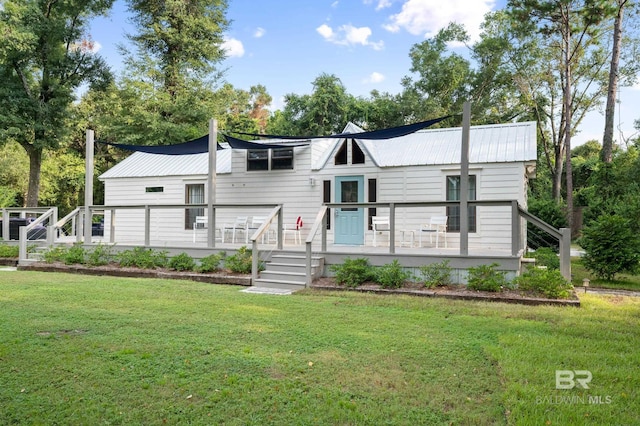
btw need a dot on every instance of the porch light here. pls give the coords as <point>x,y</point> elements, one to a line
<point>312,181</point>
<point>585,284</point>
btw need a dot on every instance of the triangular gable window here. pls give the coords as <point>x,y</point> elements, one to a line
<point>341,156</point>
<point>357,156</point>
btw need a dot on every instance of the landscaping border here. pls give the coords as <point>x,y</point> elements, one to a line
<point>210,278</point>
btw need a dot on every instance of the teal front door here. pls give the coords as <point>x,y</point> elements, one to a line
<point>349,221</point>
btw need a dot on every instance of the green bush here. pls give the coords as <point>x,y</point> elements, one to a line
<point>100,255</point>
<point>55,254</point>
<point>611,247</point>
<point>141,257</point>
<point>182,262</point>
<point>392,275</point>
<point>9,251</point>
<point>487,278</point>
<point>548,282</point>
<point>436,274</point>
<point>211,263</point>
<point>240,262</point>
<point>353,272</point>
<point>546,256</point>
<point>74,255</point>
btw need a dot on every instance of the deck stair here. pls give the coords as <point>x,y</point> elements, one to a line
<point>286,270</point>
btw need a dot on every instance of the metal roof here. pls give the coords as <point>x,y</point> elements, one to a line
<point>495,143</point>
<point>141,164</point>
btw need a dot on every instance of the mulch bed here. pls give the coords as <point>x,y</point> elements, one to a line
<point>459,292</point>
<point>8,261</point>
<point>222,277</point>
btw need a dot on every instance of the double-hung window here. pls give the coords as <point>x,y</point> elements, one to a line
<point>453,212</point>
<point>194,194</point>
<point>270,159</point>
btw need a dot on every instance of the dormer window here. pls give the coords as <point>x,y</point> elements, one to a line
<point>342,156</point>
<point>270,159</point>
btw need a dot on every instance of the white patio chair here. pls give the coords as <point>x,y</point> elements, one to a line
<point>200,220</point>
<point>379,224</point>
<point>293,229</point>
<point>436,226</point>
<point>240,225</point>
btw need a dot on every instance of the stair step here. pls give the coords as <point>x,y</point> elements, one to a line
<point>285,284</point>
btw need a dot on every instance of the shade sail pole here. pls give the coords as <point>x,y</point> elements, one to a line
<point>88,186</point>
<point>464,180</point>
<point>211,182</point>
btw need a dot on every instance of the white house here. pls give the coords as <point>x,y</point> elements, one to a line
<point>422,166</point>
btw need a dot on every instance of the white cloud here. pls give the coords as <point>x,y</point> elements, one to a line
<point>334,4</point>
<point>259,32</point>
<point>427,17</point>
<point>348,35</point>
<point>374,77</point>
<point>382,4</point>
<point>233,47</point>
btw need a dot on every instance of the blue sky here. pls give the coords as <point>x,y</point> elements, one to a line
<point>285,44</point>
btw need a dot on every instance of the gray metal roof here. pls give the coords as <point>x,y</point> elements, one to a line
<point>141,164</point>
<point>495,143</point>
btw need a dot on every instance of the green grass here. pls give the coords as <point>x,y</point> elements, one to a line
<point>100,350</point>
<point>622,281</point>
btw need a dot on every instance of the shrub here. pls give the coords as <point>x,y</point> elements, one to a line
<point>55,254</point>
<point>239,262</point>
<point>486,278</point>
<point>100,255</point>
<point>548,282</point>
<point>211,263</point>
<point>75,255</point>
<point>392,275</point>
<point>353,272</point>
<point>141,257</point>
<point>546,256</point>
<point>182,262</point>
<point>9,251</point>
<point>436,274</point>
<point>611,247</point>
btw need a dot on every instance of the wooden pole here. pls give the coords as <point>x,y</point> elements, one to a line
<point>464,180</point>
<point>88,186</point>
<point>211,181</point>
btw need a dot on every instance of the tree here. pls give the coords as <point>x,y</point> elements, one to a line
<point>45,56</point>
<point>569,30</point>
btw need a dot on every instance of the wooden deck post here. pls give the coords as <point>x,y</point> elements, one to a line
<point>565,253</point>
<point>211,195</point>
<point>147,226</point>
<point>515,228</point>
<point>88,186</point>
<point>464,180</point>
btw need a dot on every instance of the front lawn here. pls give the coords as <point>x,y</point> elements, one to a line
<point>88,350</point>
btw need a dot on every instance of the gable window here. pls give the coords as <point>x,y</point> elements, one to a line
<point>341,156</point>
<point>194,194</point>
<point>270,159</point>
<point>357,156</point>
<point>453,212</point>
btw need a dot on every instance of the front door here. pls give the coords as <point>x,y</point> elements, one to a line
<point>349,221</point>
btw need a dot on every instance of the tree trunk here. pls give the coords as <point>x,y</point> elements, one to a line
<point>568,117</point>
<point>35,163</point>
<point>607,139</point>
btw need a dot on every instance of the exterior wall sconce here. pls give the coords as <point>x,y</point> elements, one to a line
<point>312,181</point>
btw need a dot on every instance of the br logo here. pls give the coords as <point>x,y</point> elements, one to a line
<point>569,379</point>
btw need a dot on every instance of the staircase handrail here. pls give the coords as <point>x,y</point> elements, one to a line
<point>319,223</point>
<point>255,256</point>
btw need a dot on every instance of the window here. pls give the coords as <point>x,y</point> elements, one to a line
<point>326,198</point>
<point>373,197</point>
<point>258,159</point>
<point>154,189</point>
<point>453,212</point>
<point>357,156</point>
<point>341,156</point>
<point>281,159</point>
<point>194,194</point>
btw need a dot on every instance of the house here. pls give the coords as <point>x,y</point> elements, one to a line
<point>302,175</point>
